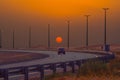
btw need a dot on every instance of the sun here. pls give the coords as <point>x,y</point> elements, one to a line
<point>59,39</point>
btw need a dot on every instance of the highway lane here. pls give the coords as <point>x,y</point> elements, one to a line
<point>54,57</point>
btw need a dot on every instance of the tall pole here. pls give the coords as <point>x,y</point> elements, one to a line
<point>30,37</point>
<point>105,24</point>
<point>48,36</point>
<point>68,34</point>
<point>13,38</point>
<point>0,38</point>
<point>87,16</point>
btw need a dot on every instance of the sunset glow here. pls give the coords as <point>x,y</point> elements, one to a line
<point>54,8</point>
<point>21,14</point>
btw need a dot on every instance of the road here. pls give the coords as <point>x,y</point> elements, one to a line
<point>54,57</point>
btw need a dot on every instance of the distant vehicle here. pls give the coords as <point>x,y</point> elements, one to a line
<point>61,51</point>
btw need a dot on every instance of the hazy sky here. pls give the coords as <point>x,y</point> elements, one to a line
<point>20,14</point>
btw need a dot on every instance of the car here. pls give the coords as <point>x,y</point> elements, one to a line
<point>61,51</point>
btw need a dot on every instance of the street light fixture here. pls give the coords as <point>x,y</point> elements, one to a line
<point>30,37</point>
<point>13,38</point>
<point>68,34</point>
<point>48,36</point>
<point>105,24</point>
<point>0,38</point>
<point>87,16</point>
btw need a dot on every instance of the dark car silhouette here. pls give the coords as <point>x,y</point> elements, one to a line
<point>61,51</point>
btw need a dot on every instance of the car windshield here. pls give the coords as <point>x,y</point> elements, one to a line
<point>61,48</point>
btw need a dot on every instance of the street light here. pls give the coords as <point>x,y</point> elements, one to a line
<point>48,36</point>
<point>87,16</point>
<point>105,10</point>
<point>0,38</point>
<point>13,37</point>
<point>29,37</point>
<point>68,34</point>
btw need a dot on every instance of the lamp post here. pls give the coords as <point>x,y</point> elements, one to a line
<point>0,38</point>
<point>48,36</point>
<point>68,35</point>
<point>87,16</point>
<point>13,38</point>
<point>105,24</point>
<point>29,37</point>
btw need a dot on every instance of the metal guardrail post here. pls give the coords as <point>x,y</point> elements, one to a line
<point>78,63</point>
<point>53,68</point>
<point>83,61</point>
<point>112,56</point>
<point>64,67</point>
<point>105,59</point>
<point>41,72</point>
<point>26,73</point>
<point>72,66</point>
<point>5,74</point>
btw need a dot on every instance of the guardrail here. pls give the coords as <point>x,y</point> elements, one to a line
<point>25,70</point>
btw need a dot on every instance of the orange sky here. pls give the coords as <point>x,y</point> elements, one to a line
<point>38,13</point>
<point>54,8</point>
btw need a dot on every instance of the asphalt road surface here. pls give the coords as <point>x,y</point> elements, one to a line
<point>54,57</point>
